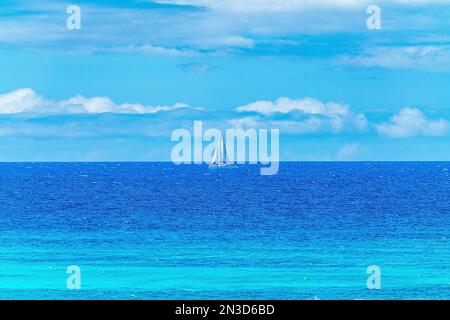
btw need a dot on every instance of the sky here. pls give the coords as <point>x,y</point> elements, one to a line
<point>137,70</point>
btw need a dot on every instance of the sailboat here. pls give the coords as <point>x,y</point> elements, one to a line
<point>220,156</point>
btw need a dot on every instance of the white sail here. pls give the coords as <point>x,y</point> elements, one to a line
<point>220,154</point>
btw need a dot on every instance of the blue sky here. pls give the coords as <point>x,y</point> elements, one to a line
<point>137,70</point>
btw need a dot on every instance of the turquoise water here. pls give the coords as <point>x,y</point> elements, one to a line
<point>160,231</point>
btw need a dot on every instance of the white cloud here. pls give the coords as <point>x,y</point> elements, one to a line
<point>301,116</point>
<point>411,123</point>
<point>80,104</point>
<point>308,115</point>
<point>26,100</point>
<point>286,105</point>
<point>22,100</point>
<point>315,115</point>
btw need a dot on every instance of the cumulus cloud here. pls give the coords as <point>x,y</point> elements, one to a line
<point>22,100</point>
<point>286,105</point>
<point>291,116</point>
<point>412,123</point>
<point>27,100</point>
<point>308,115</point>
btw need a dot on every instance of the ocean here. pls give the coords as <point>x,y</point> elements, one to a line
<point>161,231</point>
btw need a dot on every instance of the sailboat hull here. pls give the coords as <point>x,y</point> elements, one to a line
<point>221,166</point>
<point>224,165</point>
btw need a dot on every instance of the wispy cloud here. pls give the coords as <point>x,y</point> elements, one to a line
<point>148,49</point>
<point>349,152</point>
<point>224,42</point>
<point>225,26</point>
<point>194,67</point>
<point>288,5</point>
<point>431,57</point>
<point>28,101</point>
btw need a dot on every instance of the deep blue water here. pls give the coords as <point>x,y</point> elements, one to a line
<point>160,231</point>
